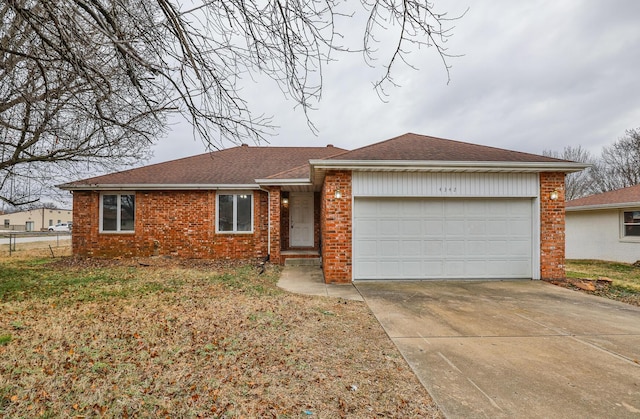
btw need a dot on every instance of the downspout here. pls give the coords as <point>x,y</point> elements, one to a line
<point>268,220</point>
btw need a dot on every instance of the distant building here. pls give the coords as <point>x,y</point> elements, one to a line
<point>35,219</point>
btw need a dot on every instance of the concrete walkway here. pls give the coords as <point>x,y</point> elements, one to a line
<point>514,349</point>
<point>309,280</point>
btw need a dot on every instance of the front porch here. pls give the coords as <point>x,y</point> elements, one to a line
<point>301,257</point>
<point>299,228</point>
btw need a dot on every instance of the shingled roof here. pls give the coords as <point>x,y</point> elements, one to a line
<point>234,166</point>
<point>625,197</point>
<point>414,147</point>
<point>243,166</point>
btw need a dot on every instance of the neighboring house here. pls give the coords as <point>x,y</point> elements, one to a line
<point>605,226</point>
<point>412,207</point>
<point>35,219</point>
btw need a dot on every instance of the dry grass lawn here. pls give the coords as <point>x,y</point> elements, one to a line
<point>83,338</point>
<point>626,278</point>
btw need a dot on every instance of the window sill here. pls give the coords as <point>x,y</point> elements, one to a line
<point>234,233</point>
<point>127,233</point>
<point>630,239</point>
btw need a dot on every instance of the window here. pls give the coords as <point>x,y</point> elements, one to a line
<point>7,222</point>
<point>50,223</point>
<point>117,212</point>
<point>631,224</point>
<point>235,213</point>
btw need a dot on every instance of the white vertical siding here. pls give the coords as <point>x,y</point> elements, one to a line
<point>453,185</point>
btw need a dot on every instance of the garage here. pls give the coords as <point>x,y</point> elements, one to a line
<point>445,225</point>
<point>417,238</point>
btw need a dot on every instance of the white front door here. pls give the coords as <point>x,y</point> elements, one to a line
<point>301,219</point>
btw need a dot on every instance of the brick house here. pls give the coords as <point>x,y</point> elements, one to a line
<point>411,207</point>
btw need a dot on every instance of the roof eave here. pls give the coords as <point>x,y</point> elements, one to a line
<point>154,187</point>
<point>595,207</point>
<point>284,182</point>
<point>449,166</point>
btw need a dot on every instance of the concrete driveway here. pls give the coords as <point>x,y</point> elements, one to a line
<point>514,348</point>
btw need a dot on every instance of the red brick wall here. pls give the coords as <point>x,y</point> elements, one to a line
<point>335,215</point>
<point>175,223</point>
<point>552,226</point>
<point>284,223</point>
<point>275,206</point>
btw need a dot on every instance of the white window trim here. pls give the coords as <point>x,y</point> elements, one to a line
<point>623,237</point>
<point>118,231</point>
<point>235,209</point>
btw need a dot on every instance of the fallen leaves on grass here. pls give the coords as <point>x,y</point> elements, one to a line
<point>204,340</point>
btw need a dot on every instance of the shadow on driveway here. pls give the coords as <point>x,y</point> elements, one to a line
<point>514,348</point>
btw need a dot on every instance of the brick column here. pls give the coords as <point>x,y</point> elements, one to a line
<point>552,226</point>
<point>336,227</point>
<point>274,224</point>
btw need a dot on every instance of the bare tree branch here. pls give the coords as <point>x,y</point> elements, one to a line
<point>89,83</point>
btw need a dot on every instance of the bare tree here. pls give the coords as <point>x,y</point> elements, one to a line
<point>84,83</point>
<point>577,184</point>
<point>619,164</point>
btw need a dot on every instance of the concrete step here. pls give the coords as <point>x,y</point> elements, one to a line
<point>295,261</point>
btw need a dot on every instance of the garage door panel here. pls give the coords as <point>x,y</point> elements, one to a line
<point>412,269</point>
<point>454,227</point>
<point>476,247</point>
<point>520,227</point>
<point>389,269</point>
<point>366,249</point>
<point>496,247</point>
<point>476,227</point>
<point>388,227</point>
<point>433,247</point>
<point>455,247</point>
<point>411,248</point>
<point>520,248</point>
<point>410,227</point>
<point>433,227</point>
<point>442,238</point>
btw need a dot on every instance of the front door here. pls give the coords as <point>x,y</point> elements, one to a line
<point>301,219</point>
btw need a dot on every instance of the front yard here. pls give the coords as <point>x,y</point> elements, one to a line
<point>173,339</point>
<point>83,338</point>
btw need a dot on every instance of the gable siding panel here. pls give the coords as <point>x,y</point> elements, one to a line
<point>459,185</point>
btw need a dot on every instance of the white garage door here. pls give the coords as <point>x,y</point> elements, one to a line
<point>433,238</point>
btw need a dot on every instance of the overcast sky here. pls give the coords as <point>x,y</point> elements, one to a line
<point>534,75</point>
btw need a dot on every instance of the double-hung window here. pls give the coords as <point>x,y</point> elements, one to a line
<point>631,224</point>
<point>117,212</point>
<point>235,212</point>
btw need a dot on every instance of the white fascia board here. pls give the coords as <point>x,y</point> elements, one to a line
<point>457,166</point>
<point>285,182</point>
<point>156,187</point>
<point>620,205</point>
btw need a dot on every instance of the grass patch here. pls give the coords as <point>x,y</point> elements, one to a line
<point>187,339</point>
<point>626,278</point>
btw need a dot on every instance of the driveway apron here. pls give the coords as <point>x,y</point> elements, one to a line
<point>514,348</point>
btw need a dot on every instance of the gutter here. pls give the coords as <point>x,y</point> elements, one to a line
<point>450,166</point>
<point>619,205</point>
<point>155,186</point>
<point>285,182</point>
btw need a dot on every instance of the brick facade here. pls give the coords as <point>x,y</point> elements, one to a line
<point>336,227</point>
<point>275,207</point>
<point>182,224</point>
<point>168,223</point>
<point>552,264</point>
